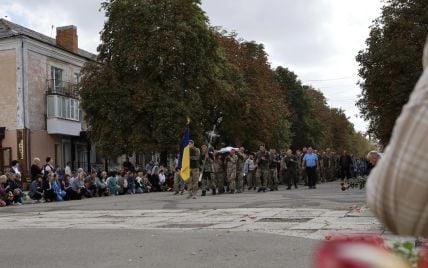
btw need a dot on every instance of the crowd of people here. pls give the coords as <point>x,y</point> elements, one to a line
<point>236,170</point>
<point>48,183</point>
<point>231,171</point>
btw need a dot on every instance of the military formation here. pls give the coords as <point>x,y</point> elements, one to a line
<point>237,170</point>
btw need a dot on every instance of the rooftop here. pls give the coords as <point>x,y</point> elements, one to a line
<point>10,29</point>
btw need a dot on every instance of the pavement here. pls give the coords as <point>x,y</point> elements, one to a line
<point>272,229</point>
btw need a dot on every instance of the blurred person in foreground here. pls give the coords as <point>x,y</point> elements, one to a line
<point>397,190</point>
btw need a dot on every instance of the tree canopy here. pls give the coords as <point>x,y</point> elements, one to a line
<point>391,64</point>
<point>160,62</point>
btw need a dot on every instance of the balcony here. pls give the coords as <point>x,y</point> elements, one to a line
<point>63,127</point>
<point>63,108</point>
<point>62,88</point>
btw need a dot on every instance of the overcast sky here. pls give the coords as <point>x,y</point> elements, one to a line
<point>317,39</point>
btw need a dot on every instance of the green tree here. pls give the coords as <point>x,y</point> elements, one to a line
<point>262,114</point>
<point>391,63</point>
<point>158,63</point>
<point>305,125</point>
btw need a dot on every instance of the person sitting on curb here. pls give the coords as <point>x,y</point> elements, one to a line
<point>5,196</point>
<point>36,189</point>
<point>112,185</point>
<point>48,191</point>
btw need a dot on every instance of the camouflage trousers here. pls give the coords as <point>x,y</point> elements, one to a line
<point>219,181</point>
<point>240,182</point>
<point>208,182</point>
<point>231,179</point>
<point>192,183</point>
<point>262,178</point>
<point>178,182</point>
<point>273,178</point>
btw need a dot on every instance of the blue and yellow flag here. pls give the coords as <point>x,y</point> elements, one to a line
<point>184,159</point>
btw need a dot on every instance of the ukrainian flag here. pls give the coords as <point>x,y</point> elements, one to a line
<point>184,159</point>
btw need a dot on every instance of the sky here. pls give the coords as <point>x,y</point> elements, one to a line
<point>316,39</point>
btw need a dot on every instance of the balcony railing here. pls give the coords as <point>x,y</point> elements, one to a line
<point>63,88</point>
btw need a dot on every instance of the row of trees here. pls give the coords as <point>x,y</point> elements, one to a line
<point>391,64</point>
<point>160,62</point>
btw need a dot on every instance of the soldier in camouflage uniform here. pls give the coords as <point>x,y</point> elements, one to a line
<point>240,170</point>
<point>326,165</point>
<point>219,172</point>
<point>262,174</point>
<point>273,170</point>
<point>178,182</point>
<point>192,183</point>
<point>231,169</point>
<point>303,171</point>
<point>335,167</point>
<point>291,173</point>
<point>299,164</point>
<point>207,170</point>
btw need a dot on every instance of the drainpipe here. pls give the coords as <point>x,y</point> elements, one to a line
<point>27,132</point>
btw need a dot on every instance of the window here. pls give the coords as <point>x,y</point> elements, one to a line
<point>56,76</point>
<point>51,107</point>
<point>77,78</point>
<point>63,107</point>
<point>72,108</point>
<point>66,108</point>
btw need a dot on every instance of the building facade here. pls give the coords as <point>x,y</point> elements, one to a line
<point>40,113</point>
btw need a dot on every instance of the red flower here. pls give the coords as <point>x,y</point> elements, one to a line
<point>332,252</point>
<point>360,251</point>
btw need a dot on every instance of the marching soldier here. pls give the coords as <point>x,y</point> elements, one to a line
<point>207,169</point>
<point>291,173</point>
<point>231,165</point>
<point>273,170</point>
<point>326,165</point>
<point>219,172</point>
<point>195,155</point>
<point>178,182</point>
<point>303,171</point>
<point>262,174</point>
<point>240,170</point>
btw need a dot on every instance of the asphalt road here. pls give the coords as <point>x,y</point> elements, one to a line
<point>46,248</point>
<point>31,241</point>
